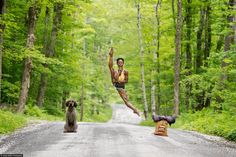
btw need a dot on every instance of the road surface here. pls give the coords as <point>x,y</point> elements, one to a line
<point>120,137</point>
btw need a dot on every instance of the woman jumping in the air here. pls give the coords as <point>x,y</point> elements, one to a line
<point>119,78</point>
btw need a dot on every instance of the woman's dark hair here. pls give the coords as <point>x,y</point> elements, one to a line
<point>120,59</point>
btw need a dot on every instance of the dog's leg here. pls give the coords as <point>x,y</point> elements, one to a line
<point>66,126</point>
<point>75,126</point>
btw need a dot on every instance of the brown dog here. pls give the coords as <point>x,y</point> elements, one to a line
<point>71,117</point>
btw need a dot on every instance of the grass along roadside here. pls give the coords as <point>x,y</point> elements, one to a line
<point>104,114</point>
<point>209,122</point>
<point>10,121</point>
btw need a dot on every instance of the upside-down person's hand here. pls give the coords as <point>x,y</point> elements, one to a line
<point>111,51</point>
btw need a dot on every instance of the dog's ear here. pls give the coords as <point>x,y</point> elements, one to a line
<point>67,103</point>
<point>75,103</point>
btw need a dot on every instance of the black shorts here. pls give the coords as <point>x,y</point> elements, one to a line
<point>118,85</point>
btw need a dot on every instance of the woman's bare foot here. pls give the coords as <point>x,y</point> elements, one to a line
<point>137,112</point>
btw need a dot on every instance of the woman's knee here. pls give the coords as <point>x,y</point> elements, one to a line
<point>124,96</point>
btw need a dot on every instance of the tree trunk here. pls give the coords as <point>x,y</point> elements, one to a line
<point>207,40</point>
<point>173,12</point>
<point>199,41</point>
<point>49,49</point>
<point>229,38</point>
<point>158,83</point>
<point>207,49</point>
<point>153,98</point>
<point>220,43</point>
<point>43,77</point>
<point>2,27</point>
<point>156,70</point>
<point>142,62</point>
<point>203,54</point>
<point>83,79</point>
<point>228,41</point>
<point>25,84</point>
<point>200,56</point>
<point>82,103</point>
<point>177,58</point>
<point>188,66</point>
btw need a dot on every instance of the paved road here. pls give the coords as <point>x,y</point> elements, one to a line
<point>120,137</point>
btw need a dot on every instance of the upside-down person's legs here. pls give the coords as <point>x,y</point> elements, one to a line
<point>124,96</point>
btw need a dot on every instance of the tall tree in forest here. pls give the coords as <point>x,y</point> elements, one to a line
<point>50,48</point>
<point>188,65</point>
<point>42,85</point>
<point>153,86</point>
<point>229,38</point>
<point>203,49</point>
<point>207,48</point>
<point>25,84</point>
<point>199,58</point>
<point>177,57</point>
<point>2,11</point>
<point>207,36</point>
<point>82,102</point>
<point>173,12</point>
<point>83,84</point>
<point>141,50</point>
<point>156,69</point>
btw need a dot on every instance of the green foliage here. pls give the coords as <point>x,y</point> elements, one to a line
<point>50,113</point>
<point>148,122</point>
<point>105,114</point>
<point>32,110</point>
<point>10,122</point>
<point>232,135</point>
<point>210,122</point>
<point>52,110</point>
<point>10,92</point>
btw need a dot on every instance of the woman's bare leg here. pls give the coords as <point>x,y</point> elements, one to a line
<point>124,96</point>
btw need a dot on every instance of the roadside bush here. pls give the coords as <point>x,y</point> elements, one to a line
<point>210,122</point>
<point>232,135</point>
<point>32,110</point>
<point>10,122</point>
<point>53,111</point>
<point>105,114</point>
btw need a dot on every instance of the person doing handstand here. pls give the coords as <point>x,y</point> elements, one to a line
<point>119,78</point>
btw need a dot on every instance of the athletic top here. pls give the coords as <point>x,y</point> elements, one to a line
<point>122,76</point>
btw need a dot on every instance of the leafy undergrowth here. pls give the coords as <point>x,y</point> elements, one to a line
<point>105,114</point>
<point>209,122</point>
<point>47,113</point>
<point>53,113</point>
<point>10,122</point>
